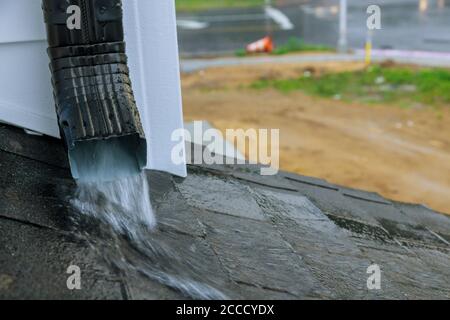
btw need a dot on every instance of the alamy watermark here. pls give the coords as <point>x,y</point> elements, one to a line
<point>374,19</point>
<point>374,280</point>
<point>74,17</point>
<point>261,146</point>
<point>74,280</point>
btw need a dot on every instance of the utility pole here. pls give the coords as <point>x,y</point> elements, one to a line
<point>268,21</point>
<point>342,44</point>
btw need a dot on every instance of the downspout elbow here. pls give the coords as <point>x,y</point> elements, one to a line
<point>97,113</point>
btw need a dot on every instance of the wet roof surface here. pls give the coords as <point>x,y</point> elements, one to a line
<point>223,232</point>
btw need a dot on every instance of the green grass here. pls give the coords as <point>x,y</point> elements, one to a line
<point>291,46</point>
<point>196,5</point>
<point>376,84</point>
<point>297,45</point>
<point>240,53</point>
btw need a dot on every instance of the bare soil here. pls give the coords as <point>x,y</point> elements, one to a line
<point>403,154</point>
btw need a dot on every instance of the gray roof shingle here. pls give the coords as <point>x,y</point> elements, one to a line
<point>224,232</point>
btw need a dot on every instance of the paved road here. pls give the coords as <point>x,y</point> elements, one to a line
<point>407,25</point>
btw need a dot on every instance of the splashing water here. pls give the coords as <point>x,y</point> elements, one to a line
<point>112,190</point>
<point>128,238</point>
<point>124,204</point>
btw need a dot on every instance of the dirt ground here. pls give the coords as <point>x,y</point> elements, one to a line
<point>403,154</point>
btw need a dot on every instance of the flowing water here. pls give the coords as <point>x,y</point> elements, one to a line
<point>118,221</point>
<point>124,204</point>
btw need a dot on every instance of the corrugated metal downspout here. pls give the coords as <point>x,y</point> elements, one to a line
<point>94,99</point>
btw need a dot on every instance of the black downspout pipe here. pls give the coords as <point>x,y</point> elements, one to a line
<point>97,113</point>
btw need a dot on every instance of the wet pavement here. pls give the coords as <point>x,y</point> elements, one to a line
<point>223,232</point>
<point>406,25</point>
<point>421,58</point>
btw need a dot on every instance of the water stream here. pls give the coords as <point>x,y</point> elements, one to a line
<point>121,226</point>
<point>124,204</point>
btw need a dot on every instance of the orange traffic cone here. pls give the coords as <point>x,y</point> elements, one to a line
<point>263,45</point>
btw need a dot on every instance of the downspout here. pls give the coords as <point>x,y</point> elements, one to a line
<point>97,113</point>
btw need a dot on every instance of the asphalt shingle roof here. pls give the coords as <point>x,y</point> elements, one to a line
<point>223,232</point>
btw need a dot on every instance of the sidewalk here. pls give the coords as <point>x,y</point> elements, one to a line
<point>424,58</point>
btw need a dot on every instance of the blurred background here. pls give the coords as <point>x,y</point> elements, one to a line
<point>221,26</point>
<point>364,109</point>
